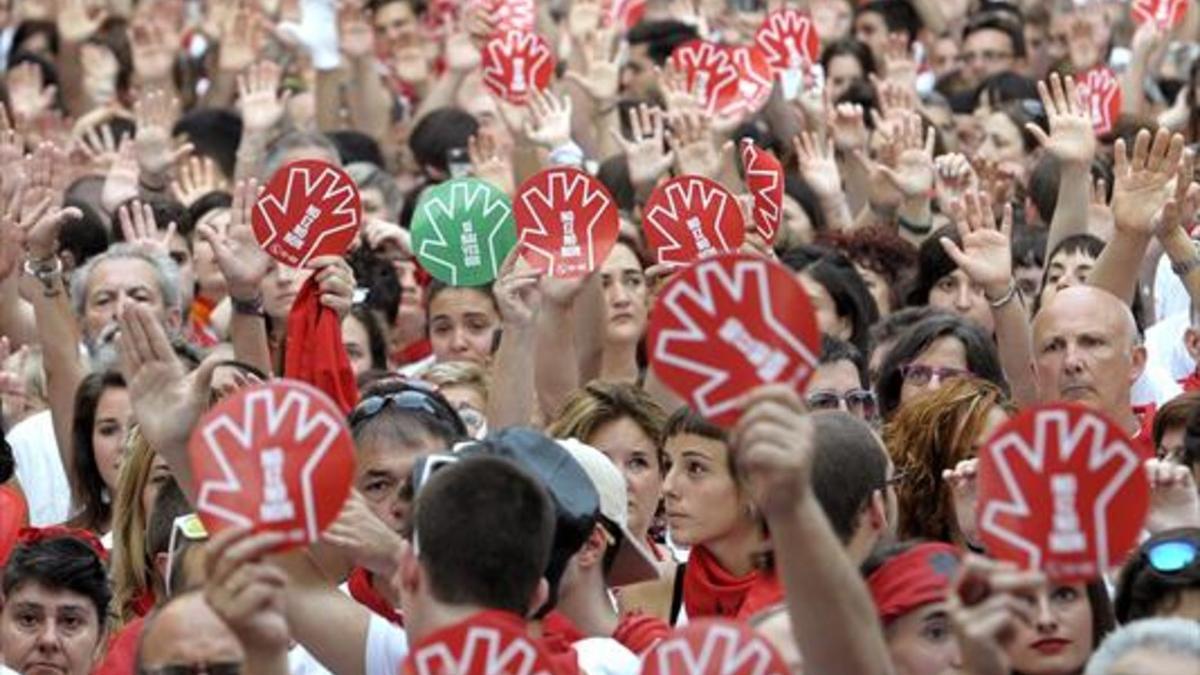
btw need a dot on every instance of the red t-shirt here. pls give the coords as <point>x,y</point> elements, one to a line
<point>488,641</point>
<point>14,514</point>
<point>121,658</point>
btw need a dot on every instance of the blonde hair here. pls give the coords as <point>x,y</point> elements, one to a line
<point>131,565</point>
<point>599,403</point>
<point>459,374</point>
<point>928,435</point>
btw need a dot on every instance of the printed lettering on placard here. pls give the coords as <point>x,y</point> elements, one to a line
<point>287,230</point>
<point>692,202</point>
<point>450,230</point>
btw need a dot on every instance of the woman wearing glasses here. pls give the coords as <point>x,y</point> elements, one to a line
<point>839,382</point>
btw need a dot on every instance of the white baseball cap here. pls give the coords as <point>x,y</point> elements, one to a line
<point>633,563</point>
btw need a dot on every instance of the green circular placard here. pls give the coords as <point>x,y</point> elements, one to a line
<point>462,231</point>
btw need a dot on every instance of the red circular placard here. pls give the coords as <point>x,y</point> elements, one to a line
<point>764,180</point>
<point>276,456</point>
<point>692,217</point>
<point>728,325</point>
<point>516,63</point>
<point>1062,489</point>
<point>714,647</point>
<point>788,40</point>
<point>731,81</point>
<point>1101,93</point>
<point>1167,14</point>
<point>566,221</point>
<point>489,642</point>
<point>309,208</point>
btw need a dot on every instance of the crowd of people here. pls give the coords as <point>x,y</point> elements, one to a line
<point>977,229</point>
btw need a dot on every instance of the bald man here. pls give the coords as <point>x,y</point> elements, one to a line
<point>1086,350</point>
<point>187,632</point>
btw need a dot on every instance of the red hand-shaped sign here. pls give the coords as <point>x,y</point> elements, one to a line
<point>727,325</point>
<point>1102,94</point>
<point>1062,489</point>
<point>488,643</point>
<point>691,217</point>
<point>788,39</point>
<point>567,222</point>
<point>714,647</point>
<point>764,179</point>
<point>509,15</point>
<point>307,209</point>
<point>276,456</point>
<point>1166,14</point>
<point>517,63</point>
<point>731,81</point>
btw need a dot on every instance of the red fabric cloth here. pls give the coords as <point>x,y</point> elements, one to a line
<point>471,645</point>
<point>33,535</point>
<point>558,634</point>
<point>14,515</point>
<point>640,632</point>
<point>1191,382</point>
<point>708,590</point>
<point>417,351</point>
<point>362,590</point>
<point>200,328</point>
<point>1145,432</point>
<point>121,658</point>
<point>143,603</point>
<point>315,353</point>
<point>915,578</point>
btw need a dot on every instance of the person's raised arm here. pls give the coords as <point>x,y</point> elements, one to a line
<point>986,257</point>
<point>248,594</point>
<point>262,108</point>
<point>155,151</point>
<point>1171,233</point>
<point>1072,142</point>
<point>244,265</point>
<point>1141,188</point>
<point>518,298</point>
<point>461,51</point>
<point>16,317</point>
<point>819,169</point>
<point>833,619</point>
<point>646,155</point>
<point>556,367</point>
<point>369,103</point>
<point>76,23</point>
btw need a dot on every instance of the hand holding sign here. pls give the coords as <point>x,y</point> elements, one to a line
<point>566,222</point>
<point>764,179</point>
<point>690,217</point>
<point>462,230</point>
<point>517,63</point>
<point>309,208</point>
<point>1062,489</point>
<point>727,325</point>
<point>709,647</point>
<point>275,457</point>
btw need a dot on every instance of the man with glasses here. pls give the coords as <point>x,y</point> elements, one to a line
<point>839,382</point>
<point>992,44</point>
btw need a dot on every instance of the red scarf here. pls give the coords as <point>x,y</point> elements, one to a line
<point>415,352</point>
<point>641,632</point>
<point>709,590</point>
<point>363,591</point>
<point>315,353</point>
<point>1191,382</point>
<point>143,602</point>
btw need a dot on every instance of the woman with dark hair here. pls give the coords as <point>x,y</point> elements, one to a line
<point>365,340</point>
<point>55,588</point>
<point>844,307</point>
<point>942,284</point>
<point>940,348</point>
<point>463,322</point>
<point>845,61</point>
<point>882,258</point>
<point>98,430</point>
<point>1161,578</point>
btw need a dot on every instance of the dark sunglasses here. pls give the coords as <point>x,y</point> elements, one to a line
<point>859,401</point>
<point>1171,555</point>
<point>412,397</point>
<point>229,668</point>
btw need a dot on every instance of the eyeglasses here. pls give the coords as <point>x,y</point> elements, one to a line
<point>859,402</point>
<point>920,375</point>
<point>413,397</point>
<point>229,668</point>
<point>1171,555</point>
<point>192,529</point>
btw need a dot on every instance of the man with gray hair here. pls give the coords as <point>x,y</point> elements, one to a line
<point>1149,647</point>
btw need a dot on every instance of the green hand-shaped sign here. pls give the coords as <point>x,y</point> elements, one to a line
<point>462,231</point>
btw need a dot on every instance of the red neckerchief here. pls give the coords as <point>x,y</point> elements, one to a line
<point>363,591</point>
<point>641,632</point>
<point>415,352</point>
<point>708,590</point>
<point>143,602</point>
<point>1145,432</point>
<point>1191,382</point>
<point>121,658</point>
<point>558,635</point>
<point>315,352</point>
<point>471,645</point>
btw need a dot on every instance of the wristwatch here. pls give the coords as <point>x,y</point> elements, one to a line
<point>46,270</point>
<point>251,307</point>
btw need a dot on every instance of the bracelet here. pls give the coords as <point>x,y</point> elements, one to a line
<point>47,271</point>
<point>251,307</point>
<point>1008,296</point>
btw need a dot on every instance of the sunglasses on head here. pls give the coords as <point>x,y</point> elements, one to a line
<point>1172,554</point>
<point>412,397</point>
<point>192,529</point>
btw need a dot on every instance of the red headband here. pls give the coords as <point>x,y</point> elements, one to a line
<point>34,535</point>
<point>917,577</point>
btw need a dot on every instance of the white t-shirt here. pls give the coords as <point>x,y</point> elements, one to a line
<point>387,646</point>
<point>606,656</point>
<point>1164,345</point>
<point>40,470</point>
<point>1155,386</point>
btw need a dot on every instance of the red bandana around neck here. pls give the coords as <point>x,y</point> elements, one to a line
<point>709,590</point>
<point>315,353</point>
<point>363,591</point>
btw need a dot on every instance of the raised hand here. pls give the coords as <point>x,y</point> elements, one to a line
<point>247,591</point>
<point>46,174</point>
<point>239,257</point>
<point>98,145</point>
<point>388,238</point>
<point>601,74</point>
<point>964,489</point>
<point>78,20</point>
<point>899,64</point>
<point>818,165</point>
<point>198,176</point>
<point>121,180</point>
<point>139,228</point>
<point>986,252</point>
<point>153,45</point>
<point>1174,501</point>
<point>953,177</point>
<point>1142,182</point>
<point>895,100</point>
<point>28,95</point>
<point>489,164</point>
<point>584,18</point>
<point>335,281</point>
<point>366,539</point>
<point>989,602</point>
<point>12,235</point>
<point>516,289</point>
<point>772,443</point>
<point>908,167</point>
<point>549,120</point>
<point>241,41</point>
<point>1072,138</point>
<point>690,138</point>
<point>41,225</point>
<point>356,37</point>
<point>847,127</point>
<point>1083,45</point>
<point>646,153</point>
<point>461,49</point>
<point>676,95</point>
<point>258,99</point>
<point>1184,205</point>
<point>155,112</point>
